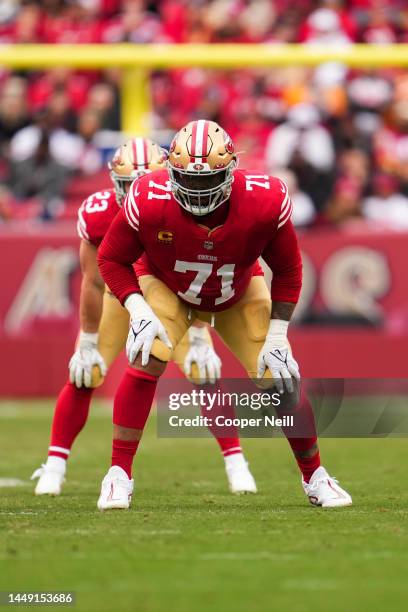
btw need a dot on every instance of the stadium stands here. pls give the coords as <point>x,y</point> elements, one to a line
<point>341,134</point>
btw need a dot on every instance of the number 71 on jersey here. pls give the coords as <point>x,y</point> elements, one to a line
<point>204,271</point>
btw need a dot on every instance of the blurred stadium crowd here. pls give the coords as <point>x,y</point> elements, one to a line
<point>339,137</point>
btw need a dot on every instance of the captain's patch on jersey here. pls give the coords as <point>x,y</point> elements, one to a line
<point>165,236</point>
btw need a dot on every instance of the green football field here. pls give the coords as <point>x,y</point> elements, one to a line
<point>187,544</point>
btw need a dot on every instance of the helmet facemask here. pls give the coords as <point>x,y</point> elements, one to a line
<point>122,183</point>
<point>200,192</point>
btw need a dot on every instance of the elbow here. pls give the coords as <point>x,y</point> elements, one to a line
<point>100,259</point>
<point>102,263</point>
<point>93,281</point>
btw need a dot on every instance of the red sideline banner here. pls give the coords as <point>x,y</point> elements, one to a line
<point>355,300</point>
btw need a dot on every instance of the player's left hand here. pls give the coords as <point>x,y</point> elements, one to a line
<point>203,354</point>
<point>84,359</point>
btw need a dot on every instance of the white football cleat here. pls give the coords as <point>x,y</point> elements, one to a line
<point>116,490</point>
<point>50,480</point>
<point>323,490</point>
<point>240,479</point>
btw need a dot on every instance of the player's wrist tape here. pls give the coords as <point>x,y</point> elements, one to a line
<point>88,338</point>
<point>137,306</point>
<point>197,333</point>
<point>278,331</point>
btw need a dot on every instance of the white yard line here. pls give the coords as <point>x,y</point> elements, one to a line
<point>12,482</point>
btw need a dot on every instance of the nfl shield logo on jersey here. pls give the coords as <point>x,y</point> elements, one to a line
<point>208,244</point>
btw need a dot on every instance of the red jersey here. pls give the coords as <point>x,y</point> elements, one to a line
<point>96,214</point>
<point>208,269</point>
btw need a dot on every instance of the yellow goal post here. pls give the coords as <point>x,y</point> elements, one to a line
<point>137,60</point>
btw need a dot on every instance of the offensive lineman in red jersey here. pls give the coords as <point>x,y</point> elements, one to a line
<point>218,220</point>
<point>105,326</point>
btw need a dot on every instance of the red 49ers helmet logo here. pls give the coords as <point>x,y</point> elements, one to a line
<point>229,146</point>
<point>116,158</point>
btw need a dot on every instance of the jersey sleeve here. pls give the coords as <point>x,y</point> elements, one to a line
<point>286,207</point>
<point>95,216</point>
<point>82,227</point>
<point>120,248</point>
<point>131,209</point>
<point>282,253</point>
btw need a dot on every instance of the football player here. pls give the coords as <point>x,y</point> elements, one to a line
<point>219,221</point>
<point>104,329</point>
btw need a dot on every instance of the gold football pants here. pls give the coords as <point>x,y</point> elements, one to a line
<point>113,332</point>
<point>243,326</point>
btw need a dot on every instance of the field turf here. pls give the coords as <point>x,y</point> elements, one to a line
<point>187,544</point>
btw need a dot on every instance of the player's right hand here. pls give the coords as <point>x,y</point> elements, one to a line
<point>145,326</point>
<point>84,359</point>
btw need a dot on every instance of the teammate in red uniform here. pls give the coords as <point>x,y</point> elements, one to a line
<point>105,325</point>
<point>216,220</point>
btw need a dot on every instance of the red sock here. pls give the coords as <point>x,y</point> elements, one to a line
<point>132,405</point>
<point>307,465</point>
<point>227,437</point>
<point>123,452</point>
<point>229,446</point>
<point>304,423</point>
<point>71,413</point>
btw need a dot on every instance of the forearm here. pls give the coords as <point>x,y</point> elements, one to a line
<point>279,323</point>
<point>282,310</point>
<point>86,354</point>
<point>90,306</point>
<point>119,250</point>
<point>282,255</point>
<point>121,279</point>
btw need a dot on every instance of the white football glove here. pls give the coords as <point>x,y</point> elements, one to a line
<point>276,356</point>
<point>203,354</point>
<point>84,359</point>
<point>145,326</point>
